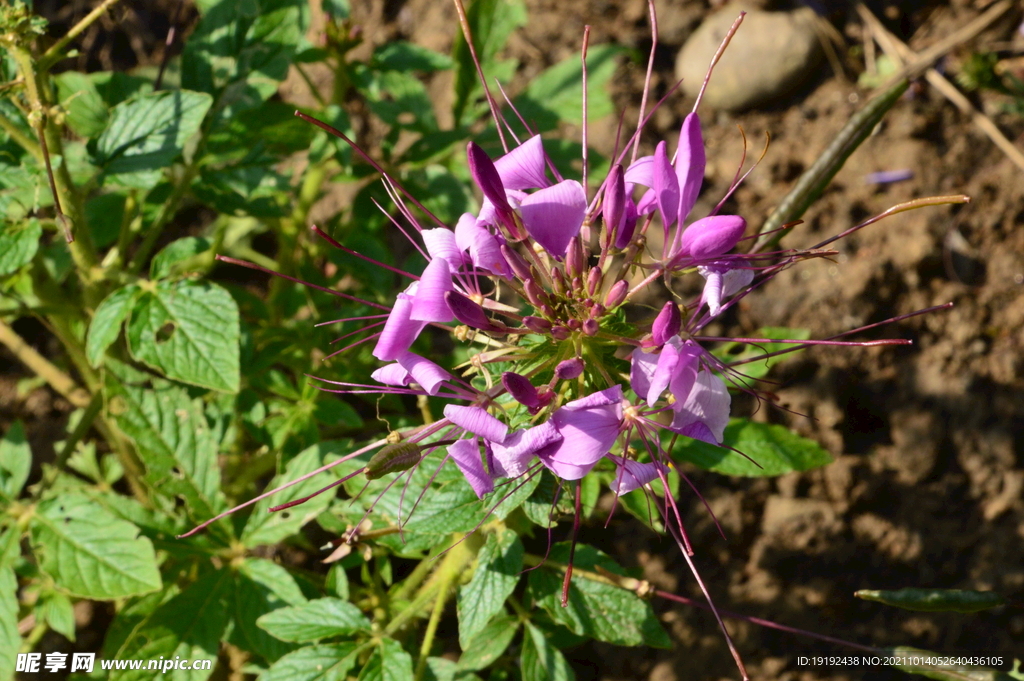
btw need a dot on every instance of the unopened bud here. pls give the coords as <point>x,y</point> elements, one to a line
<point>597,311</point>
<point>481,167</point>
<point>558,281</point>
<point>534,294</point>
<point>569,369</point>
<point>616,294</point>
<point>573,324</point>
<point>520,388</point>
<point>594,280</point>
<point>629,218</point>
<point>591,327</point>
<point>516,262</point>
<point>536,324</point>
<point>613,205</point>
<point>560,332</point>
<point>666,324</point>
<point>575,260</point>
<point>469,313</point>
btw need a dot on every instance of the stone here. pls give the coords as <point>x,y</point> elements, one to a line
<point>771,55</point>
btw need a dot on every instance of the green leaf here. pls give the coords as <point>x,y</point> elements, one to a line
<point>336,583</point>
<point>90,552</point>
<point>106,322</point>
<point>596,609</point>
<point>491,23</point>
<point>538,507</point>
<point>56,610</point>
<point>261,587</point>
<point>498,566</point>
<point>264,527</point>
<point>189,331</point>
<point>10,640</point>
<point>18,243</point>
<point>396,97</point>
<point>776,450</point>
<point>189,625</point>
<point>556,95</point>
<point>935,600</point>
<point>15,461</point>
<point>86,110</point>
<point>104,214</point>
<point>338,9</point>
<point>322,618</point>
<point>314,663</point>
<point>541,661</point>
<point>174,442</point>
<point>489,643</point>
<point>388,663</point>
<point>175,252</point>
<point>736,352</point>
<point>399,55</point>
<point>147,133</point>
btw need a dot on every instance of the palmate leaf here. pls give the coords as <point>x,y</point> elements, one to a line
<point>189,625</point>
<point>90,552</point>
<point>775,450</point>
<point>498,567</point>
<point>189,331</point>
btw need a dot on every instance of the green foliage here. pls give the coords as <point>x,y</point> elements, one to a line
<point>498,566</point>
<point>935,600</point>
<point>767,450</point>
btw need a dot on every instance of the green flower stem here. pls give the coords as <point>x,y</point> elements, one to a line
<point>435,617</point>
<point>57,379</point>
<point>56,52</point>
<point>167,211</point>
<point>20,138</point>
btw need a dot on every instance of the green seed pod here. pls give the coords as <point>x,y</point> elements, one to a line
<point>391,458</point>
<point>934,600</point>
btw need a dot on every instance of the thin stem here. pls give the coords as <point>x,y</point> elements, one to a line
<point>435,618</point>
<point>20,138</point>
<point>583,62</point>
<point>167,212</point>
<point>55,53</point>
<point>467,33</point>
<point>57,379</point>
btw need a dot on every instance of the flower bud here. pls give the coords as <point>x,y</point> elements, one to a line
<point>616,294</point>
<point>712,236</point>
<point>534,294</point>
<point>666,324</point>
<point>614,204</point>
<point>573,324</point>
<point>575,261</point>
<point>558,281</point>
<point>516,262</point>
<point>547,311</point>
<point>577,284</point>
<point>597,311</point>
<point>591,327</point>
<point>481,167</point>
<point>569,369</point>
<point>469,313</point>
<point>560,332</point>
<point>594,280</point>
<point>630,217</point>
<point>520,388</point>
<point>536,324</point>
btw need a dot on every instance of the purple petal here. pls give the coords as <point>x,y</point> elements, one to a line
<point>667,323</point>
<point>589,427</point>
<point>523,167</point>
<point>698,431</point>
<point>514,455</point>
<point>629,218</point>
<point>481,167</point>
<point>553,216</point>
<point>690,162</point>
<point>633,474</point>
<point>648,202</point>
<point>484,248</point>
<point>440,243</point>
<point>391,374</point>
<point>722,283</point>
<point>477,421</point>
<point>641,171</point>
<point>429,304</point>
<point>712,236</point>
<point>424,372</point>
<point>641,371</point>
<point>466,454</point>
<point>614,204</point>
<point>686,371</point>
<point>399,330</point>
<point>520,388</point>
<point>666,186</point>
<point>708,403</point>
<point>469,313</point>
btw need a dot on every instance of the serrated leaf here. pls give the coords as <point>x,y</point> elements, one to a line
<point>261,587</point>
<point>555,95</point>
<point>189,331</point>
<point>389,662</point>
<point>541,661</point>
<point>264,527</point>
<point>174,442</point>
<point>58,613</point>
<point>86,110</point>
<point>175,252</point>
<point>498,566</point>
<point>776,450</point>
<point>189,625</point>
<point>321,618</point>
<point>147,133</point>
<point>935,600</point>
<point>10,640</point>
<point>15,461</point>
<point>106,322</point>
<point>18,243</point>
<point>314,663</point>
<point>489,643</point>
<point>90,552</point>
<point>595,609</point>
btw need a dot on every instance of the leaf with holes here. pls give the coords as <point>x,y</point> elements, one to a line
<point>174,442</point>
<point>189,625</point>
<point>188,330</point>
<point>497,572</point>
<point>106,322</point>
<point>90,552</point>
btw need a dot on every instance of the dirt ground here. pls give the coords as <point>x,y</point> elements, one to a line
<point>928,481</point>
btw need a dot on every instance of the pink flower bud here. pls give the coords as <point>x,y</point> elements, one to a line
<point>594,280</point>
<point>614,204</point>
<point>575,262</point>
<point>666,324</point>
<point>481,167</point>
<point>520,388</point>
<point>536,324</point>
<point>616,294</point>
<point>569,369</point>
<point>712,236</point>
<point>560,333</point>
<point>591,327</point>
<point>516,262</point>
<point>469,313</point>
